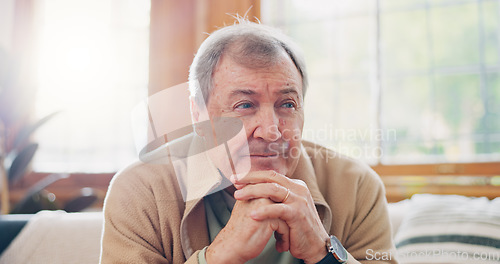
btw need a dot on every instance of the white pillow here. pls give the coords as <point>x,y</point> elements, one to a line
<point>450,229</point>
<point>397,212</point>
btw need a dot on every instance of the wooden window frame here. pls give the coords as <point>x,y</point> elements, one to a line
<point>403,181</point>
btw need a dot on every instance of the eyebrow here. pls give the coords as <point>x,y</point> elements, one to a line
<point>252,92</point>
<point>242,91</point>
<point>289,91</point>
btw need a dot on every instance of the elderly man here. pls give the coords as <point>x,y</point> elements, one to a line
<point>258,194</point>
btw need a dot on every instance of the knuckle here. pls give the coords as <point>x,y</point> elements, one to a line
<point>302,187</point>
<point>288,211</point>
<point>275,187</point>
<point>261,201</point>
<point>300,182</point>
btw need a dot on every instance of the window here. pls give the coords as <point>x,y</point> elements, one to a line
<point>399,82</point>
<point>92,69</point>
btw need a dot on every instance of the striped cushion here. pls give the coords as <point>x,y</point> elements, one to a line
<point>450,229</point>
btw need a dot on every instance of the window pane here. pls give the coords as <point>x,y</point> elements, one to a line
<point>491,29</point>
<point>386,5</point>
<point>455,37</point>
<point>289,12</point>
<point>404,45</point>
<point>353,7</point>
<point>494,101</point>
<point>459,107</point>
<point>355,39</point>
<point>348,130</point>
<point>447,2</point>
<point>319,117</point>
<point>320,55</point>
<point>407,109</point>
<point>356,131</point>
<point>298,11</point>
<point>490,125</point>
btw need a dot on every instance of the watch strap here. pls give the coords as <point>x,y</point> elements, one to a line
<point>329,259</point>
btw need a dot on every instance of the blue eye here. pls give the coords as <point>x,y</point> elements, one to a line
<point>288,105</point>
<point>244,105</point>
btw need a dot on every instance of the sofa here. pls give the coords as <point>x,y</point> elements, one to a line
<point>53,237</point>
<point>426,229</point>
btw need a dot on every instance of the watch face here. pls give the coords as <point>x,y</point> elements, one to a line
<point>338,250</point>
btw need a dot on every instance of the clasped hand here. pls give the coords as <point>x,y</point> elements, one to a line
<point>267,203</point>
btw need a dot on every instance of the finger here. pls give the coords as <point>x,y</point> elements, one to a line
<point>263,176</point>
<point>273,211</point>
<point>234,177</point>
<point>272,191</point>
<point>239,186</point>
<point>282,236</point>
<point>234,180</point>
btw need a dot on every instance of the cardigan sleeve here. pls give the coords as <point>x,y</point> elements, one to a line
<point>131,225</point>
<point>134,230</point>
<point>370,239</point>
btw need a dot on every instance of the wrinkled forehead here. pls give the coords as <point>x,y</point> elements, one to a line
<point>277,76</point>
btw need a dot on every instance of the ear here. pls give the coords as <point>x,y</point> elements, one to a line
<point>198,114</point>
<point>195,110</point>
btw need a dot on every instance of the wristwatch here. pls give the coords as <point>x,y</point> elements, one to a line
<point>336,252</point>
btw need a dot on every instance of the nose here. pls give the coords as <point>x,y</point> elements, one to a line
<point>267,124</point>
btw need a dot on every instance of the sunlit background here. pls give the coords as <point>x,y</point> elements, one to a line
<point>391,81</point>
<point>93,68</point>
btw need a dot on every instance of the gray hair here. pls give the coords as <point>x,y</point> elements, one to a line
<point>249,44</point>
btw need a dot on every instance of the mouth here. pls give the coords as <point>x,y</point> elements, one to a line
<point>267,155</point>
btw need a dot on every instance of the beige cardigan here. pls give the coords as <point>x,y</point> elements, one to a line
<point>148,221</point>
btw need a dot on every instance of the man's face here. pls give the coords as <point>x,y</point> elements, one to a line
<point>269,102</point>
